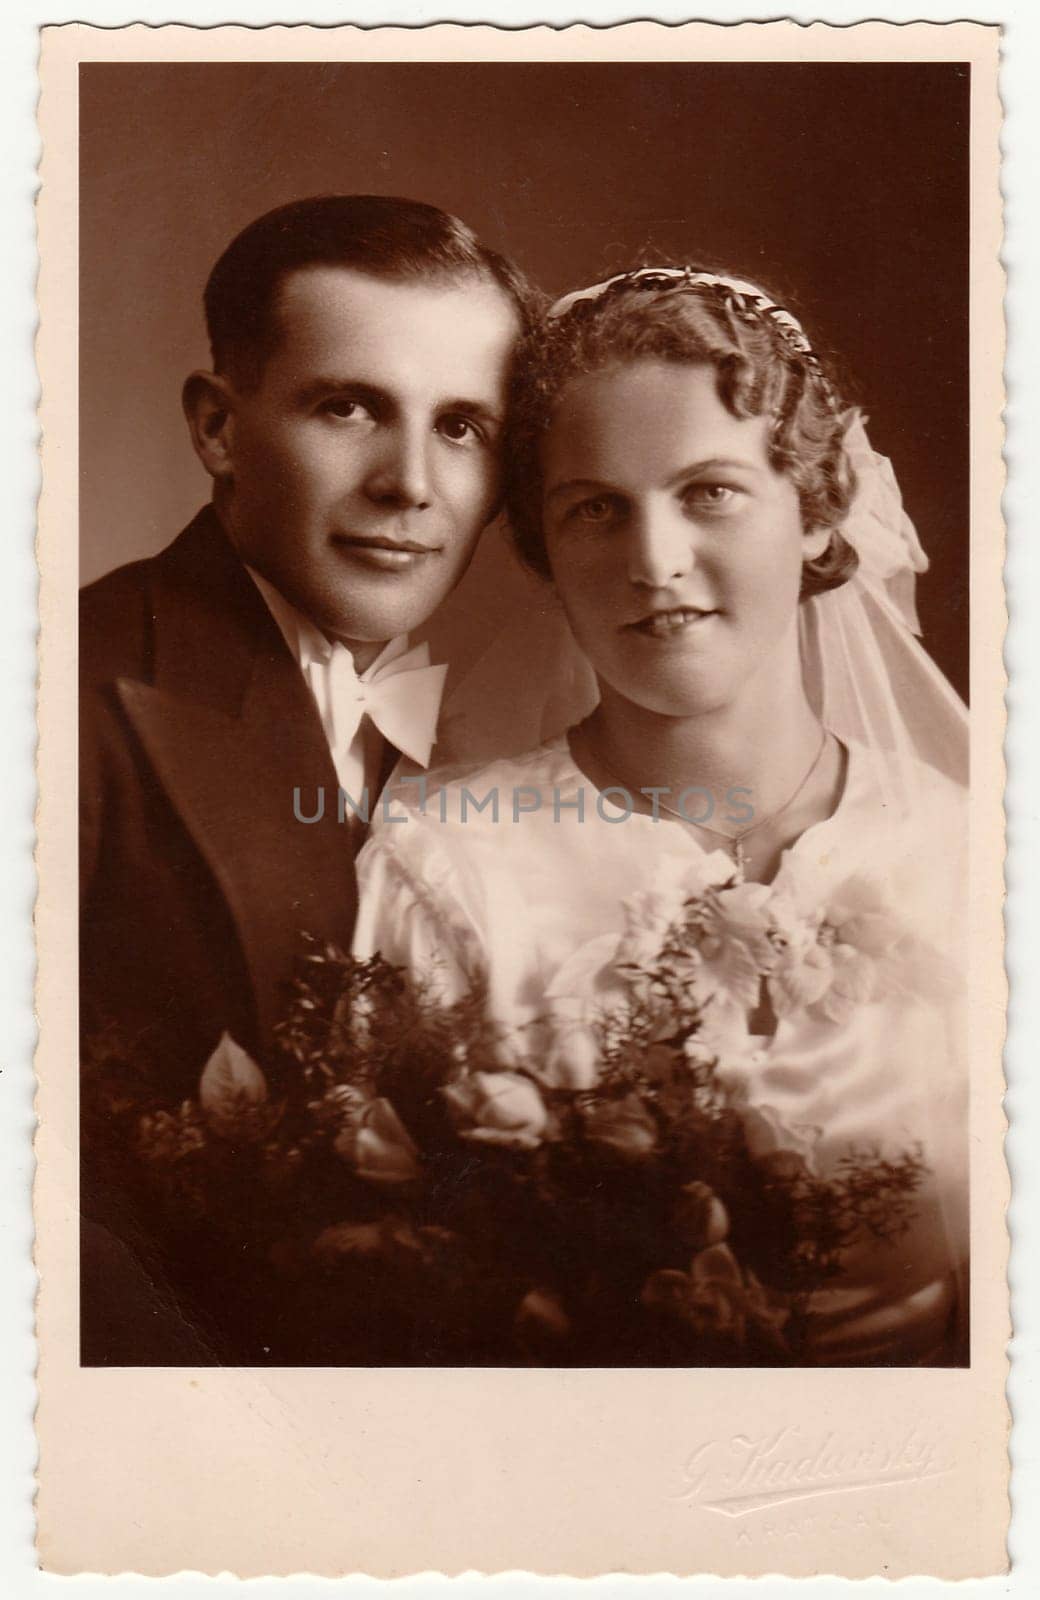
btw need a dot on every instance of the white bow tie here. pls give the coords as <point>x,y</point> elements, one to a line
<point>402,698</point>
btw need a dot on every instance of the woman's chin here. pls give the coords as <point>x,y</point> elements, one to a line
<point>663,696</point>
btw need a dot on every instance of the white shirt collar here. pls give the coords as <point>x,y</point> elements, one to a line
<point>306,641</point>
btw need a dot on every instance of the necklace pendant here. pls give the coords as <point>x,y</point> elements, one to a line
<point>738,857</point>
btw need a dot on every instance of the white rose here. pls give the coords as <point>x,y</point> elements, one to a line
<point>502,1108</point>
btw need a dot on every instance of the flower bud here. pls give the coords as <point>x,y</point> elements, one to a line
<point>699,1216</point>
<point>344,1240</point>
<point>231,1083</point>
<point>378,1146</point>
<point>624,1126</point>
<point>541,1323</point>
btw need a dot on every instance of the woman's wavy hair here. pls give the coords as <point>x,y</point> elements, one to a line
<point>764,366</point>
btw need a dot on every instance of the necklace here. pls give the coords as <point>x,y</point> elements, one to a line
<point>734,841</point>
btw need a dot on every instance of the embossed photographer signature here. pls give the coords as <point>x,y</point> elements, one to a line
<point>748,1473</point>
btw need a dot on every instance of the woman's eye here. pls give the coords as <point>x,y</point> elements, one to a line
<point>597,509</point>
<point>709,496</point>
<point>458,429</point>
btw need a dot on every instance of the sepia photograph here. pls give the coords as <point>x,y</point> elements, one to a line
<point>525,915</point>
<point>628,1029</point>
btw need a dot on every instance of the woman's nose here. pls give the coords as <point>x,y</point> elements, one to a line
<point>399,475</point>
<point>661,546</point>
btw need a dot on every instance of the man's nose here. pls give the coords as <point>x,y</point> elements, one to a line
<point>399,475</point>
<point>660,546</point>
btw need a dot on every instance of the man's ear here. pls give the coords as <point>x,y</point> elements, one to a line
<point>208,408</point>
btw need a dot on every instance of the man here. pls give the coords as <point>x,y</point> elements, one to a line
<point>351,425</point>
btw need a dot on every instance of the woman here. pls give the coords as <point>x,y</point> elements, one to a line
<point>733,562</point>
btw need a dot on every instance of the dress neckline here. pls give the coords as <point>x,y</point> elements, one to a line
<point>856,771</point>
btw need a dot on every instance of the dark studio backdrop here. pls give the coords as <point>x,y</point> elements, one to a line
<point>843,187</point>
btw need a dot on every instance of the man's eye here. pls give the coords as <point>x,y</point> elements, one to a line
<point>345,408</point>
<point>459,428</point>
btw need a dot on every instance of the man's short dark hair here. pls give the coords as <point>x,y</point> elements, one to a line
<point>382,235</point>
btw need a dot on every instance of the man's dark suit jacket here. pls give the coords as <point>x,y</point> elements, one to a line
<point>196,879</point>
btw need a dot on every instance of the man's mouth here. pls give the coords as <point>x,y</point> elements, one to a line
<point>665,624</point>
<point>383,553</point>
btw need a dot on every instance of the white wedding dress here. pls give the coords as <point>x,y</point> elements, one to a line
<point>534,909</point>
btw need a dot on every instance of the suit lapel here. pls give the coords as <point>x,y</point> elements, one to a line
<point>232,734</point>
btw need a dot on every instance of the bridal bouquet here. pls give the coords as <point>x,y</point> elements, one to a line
<point>402,1182</point>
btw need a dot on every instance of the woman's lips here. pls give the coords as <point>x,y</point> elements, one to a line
<point>671,623</point>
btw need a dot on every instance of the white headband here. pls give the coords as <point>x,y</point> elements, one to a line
<point>750,298</point>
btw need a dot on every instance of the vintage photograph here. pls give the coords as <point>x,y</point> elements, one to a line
<point>536,879</point>
<point>622,1024</point>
